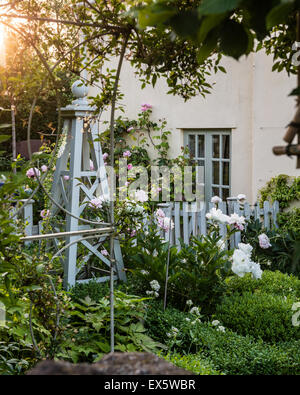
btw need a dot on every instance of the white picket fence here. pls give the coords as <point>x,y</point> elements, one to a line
<point>188,221</point>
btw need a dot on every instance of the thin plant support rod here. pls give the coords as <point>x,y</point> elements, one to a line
<point>112,206</point>
<point>168,263</point>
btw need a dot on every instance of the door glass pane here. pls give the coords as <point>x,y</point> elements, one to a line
<point>225,194</point>
<point>216,173</point>
<point>216,146</point>
<point>226,173</point>
<point>225,146</point>
<point>215,191</point>
<point>201,146</point>
<point>192,145</point>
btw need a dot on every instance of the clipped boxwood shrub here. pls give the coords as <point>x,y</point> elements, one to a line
<point>261,315</point>
<point>275,283</point>
<point>193,362</point>
<point>234,354</point>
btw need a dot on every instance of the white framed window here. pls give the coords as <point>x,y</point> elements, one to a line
<point>212,149</point>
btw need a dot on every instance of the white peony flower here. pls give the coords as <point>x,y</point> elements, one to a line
<point>217,216</point>
<point>216,200</point>
<point>255,270</point>
<point>240,263</point>
<point>246,248</point>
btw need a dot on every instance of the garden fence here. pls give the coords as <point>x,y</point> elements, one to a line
<point>188,219</point>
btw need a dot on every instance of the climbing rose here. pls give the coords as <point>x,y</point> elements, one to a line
<point>31,174</point>
<point>264,241</point>
<point>146,107</point>
<point>129,167</point>
<point>104,252</point>
<point>96,203</point>
<point>126,154</point>
<point>45,213</point>
<point>141,196</point>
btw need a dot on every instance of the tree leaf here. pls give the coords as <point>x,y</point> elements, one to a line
<point>234,39</point>
<point>279,14</point>
<point>186,24</point>
<point>4,137</point>
<point>209,7</point>
<point>208,24</point>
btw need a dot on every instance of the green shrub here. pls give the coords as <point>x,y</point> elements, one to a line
<point>94,290</point>
<point>229,352</point>
<point>282,188</point>
<point>275,283</point>
<point>289,220</point>
<point>234,354</point>
<point>192,362</point>
<point>260,315</point>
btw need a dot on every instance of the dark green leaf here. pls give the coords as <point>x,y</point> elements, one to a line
<point>234,39</point>
<point>209,7</point>
<point>279,14</point>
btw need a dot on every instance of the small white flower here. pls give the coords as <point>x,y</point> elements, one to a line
<point>189,302</point>
<point>195,310</point>
<point>187,319</point>
<point>144,272</point>
<point>221,328</point>
<point>215,323</point>
<point>155,285</point>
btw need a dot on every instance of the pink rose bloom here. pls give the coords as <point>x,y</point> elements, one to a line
<point>44,168</point>
<point>130,129</point>
<point>104,252</point>
<point>159,213</point>
<point>129,167</point>
<point>126,154</point>
<point>264,241</point>
<point>105,156</point>
<point>32,172</point>
<point>45,213</point>
<point>146,107</point>
<point>133,233</point>
<point>66,178</point>
<point>96,203</point>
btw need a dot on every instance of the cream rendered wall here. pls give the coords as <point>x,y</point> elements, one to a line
<point>250,100</point>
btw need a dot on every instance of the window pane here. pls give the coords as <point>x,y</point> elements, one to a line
<point>192,145</point>
<point>216,146</point>
<point>215,192</point>
<point>226,173</point>
<point>216,173</point>
<point>225,146</point>
<point>201,146</point>
<point>225,193</point>
<point>201,171</point>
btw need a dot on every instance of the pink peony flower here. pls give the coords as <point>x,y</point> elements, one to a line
<point>159,213</point>
<point>44,168</point>
<point>105,156</point>
<point>31,173</point>
<point>129,167</point>
<point>45,213</point>
<point>264,241</point>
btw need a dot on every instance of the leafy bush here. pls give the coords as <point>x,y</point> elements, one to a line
<point>14,359</point>
<point>275,283</point>
<point>284,253</point>
<point>93,289</point>
<point>282,188</point>
<point>193,363</point>
<point>264,316</point>
<point>226,352</point>
<point>87,329</point>
<point>289,221</point>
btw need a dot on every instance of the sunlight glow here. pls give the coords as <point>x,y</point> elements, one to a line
<point>2,43</point>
